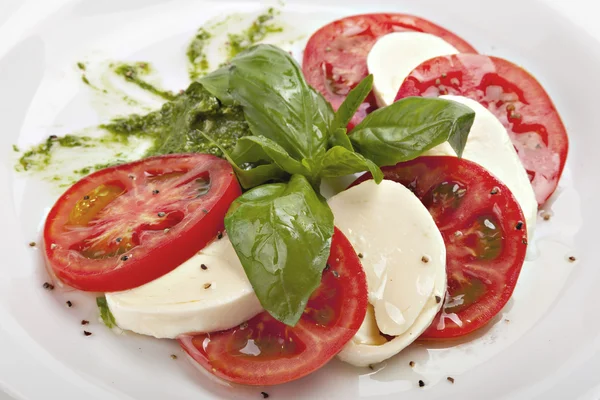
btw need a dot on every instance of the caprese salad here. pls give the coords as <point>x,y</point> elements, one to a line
<point>259,277</point>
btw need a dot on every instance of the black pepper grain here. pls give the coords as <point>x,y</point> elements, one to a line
<point>519,225</point>
<point>412,363</point>
<point>69,303</point>
<point>220,235</point>
<point>438,299</point>
<point>425,259</point>
<point>87,333</point>
<point>360,255</point>
<point>421,383</point>
<point>32,244</point>
<point>161,214</point>
<point>207,285</point>
<point>118,240</point>
<point>173,357</point>
<point>48,286</point>
<point>155,191</point>
<point>265,395</point>
<point>524,241</point>
<point>203,266</point>
<point>85,322</point>
<point>124,258</point>
<point>495,190</point>
<point>572,258</point>
<point>336,274</point>
<point>450,379</point>
<point>86,197</point>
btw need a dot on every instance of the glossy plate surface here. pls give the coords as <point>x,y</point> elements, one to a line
<point>546,342</point>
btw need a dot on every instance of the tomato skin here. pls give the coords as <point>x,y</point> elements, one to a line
<point>333,315</point>
<point>335,58</point>
<point>514,96</point>
<point>485,235</point>
<point>160,250</point>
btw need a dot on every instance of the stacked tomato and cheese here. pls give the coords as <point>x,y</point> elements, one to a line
<point>441,240</point>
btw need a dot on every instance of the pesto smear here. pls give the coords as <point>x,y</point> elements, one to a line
<point>178,126</point>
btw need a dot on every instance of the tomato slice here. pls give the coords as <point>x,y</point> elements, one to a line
<point>335,58</point>
<point>124,226</point>
<point>514,96</point>
<point>264,351</point>
<point>484,232</point>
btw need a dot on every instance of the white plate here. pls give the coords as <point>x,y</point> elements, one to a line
<point>550,349</point>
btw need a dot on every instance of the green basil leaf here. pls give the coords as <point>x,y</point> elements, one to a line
<point>282,236</point>
<point>272,151</point>
<point>251,153</point>
<point>352,102</point>
<point>339,137</point>
<point>107,316</point>
<point>339,161</point>
<point>278,103</point>
<point>217,84</point>
<point>405,129</point>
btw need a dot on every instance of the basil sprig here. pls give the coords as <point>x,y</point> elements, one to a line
<point>282,232</point>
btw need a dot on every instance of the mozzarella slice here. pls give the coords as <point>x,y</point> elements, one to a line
<point>368,347</point>
<point>490,146</point>
<point>190,298</point>
<point>401,249</point>
<point>395,55</point>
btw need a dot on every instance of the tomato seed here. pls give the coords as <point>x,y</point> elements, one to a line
<point>495,190</point>
<point>31,244</point>
<point>118,240</point>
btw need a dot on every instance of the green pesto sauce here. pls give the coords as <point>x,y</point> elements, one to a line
<point>133,73</point>
<point>257,32</point>
<point>196,54</point>
<point>176,127</point>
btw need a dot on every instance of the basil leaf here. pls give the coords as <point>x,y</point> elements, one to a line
<point>339,137</point>
<point>278,103</point>
<point>339,161</point>
<point>352,102</point>
<point>405,129</point>
<point>107,316</point>
<point>258,175</point>
<point>270,150</point>
<point>217,84</point>
<point>282,236</point>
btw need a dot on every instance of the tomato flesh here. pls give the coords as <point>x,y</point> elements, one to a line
<point>335,58</point>
<point>124,226</point>
<point>264,351</point>
<point>512,95</point>
<point>485,235</point>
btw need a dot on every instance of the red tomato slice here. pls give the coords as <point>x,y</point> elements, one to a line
<point>335,58</point>
<point>514,96</point>
<point>485,235</point>
<point>264,351</point>
<point>124,226</point>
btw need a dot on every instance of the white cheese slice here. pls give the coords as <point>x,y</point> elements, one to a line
<point>190,298</point>
<point>401,249</point>
<point>395,55</point>
<point>490,146</point>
